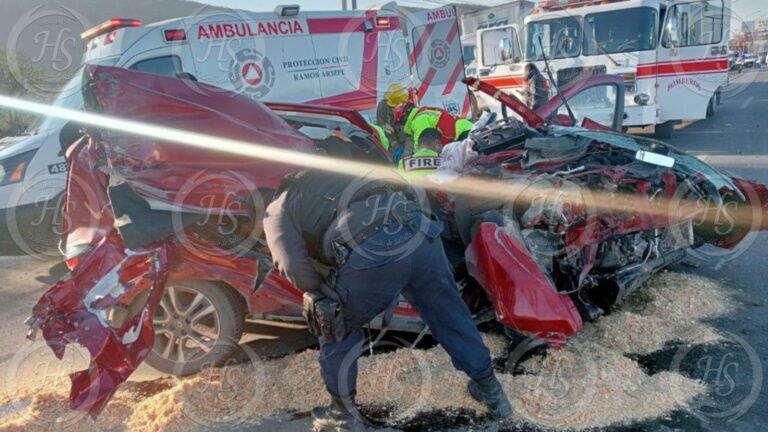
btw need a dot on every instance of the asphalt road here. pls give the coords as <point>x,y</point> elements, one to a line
<point>736,140</point>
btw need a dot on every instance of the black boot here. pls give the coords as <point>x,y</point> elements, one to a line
<point>340,415</point>
<point>489,391</point>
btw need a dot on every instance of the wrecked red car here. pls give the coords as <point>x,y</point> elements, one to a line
<point>167,261</point>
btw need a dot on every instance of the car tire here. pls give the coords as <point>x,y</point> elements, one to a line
<point>665,130</point>
<point>712,107</point>
<point>215,321</point>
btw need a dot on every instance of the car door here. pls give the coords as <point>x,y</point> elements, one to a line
<point>692,58</point>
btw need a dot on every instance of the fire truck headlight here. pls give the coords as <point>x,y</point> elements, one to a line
<point>642,99</point>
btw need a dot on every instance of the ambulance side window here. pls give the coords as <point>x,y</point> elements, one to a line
<point>166,65</point>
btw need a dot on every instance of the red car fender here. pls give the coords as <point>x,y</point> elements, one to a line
<point>197,260</point>
<point>522,295</point>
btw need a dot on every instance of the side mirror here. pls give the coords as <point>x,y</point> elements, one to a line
<point>672,28</point>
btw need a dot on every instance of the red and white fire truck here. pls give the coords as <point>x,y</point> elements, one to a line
<point>673,54</point>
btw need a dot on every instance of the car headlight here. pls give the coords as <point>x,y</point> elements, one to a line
<point>13,168</point>
<point>642,99</point>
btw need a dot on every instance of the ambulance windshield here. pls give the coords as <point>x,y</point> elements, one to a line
<point>621,31</point>
<point>70,96</point>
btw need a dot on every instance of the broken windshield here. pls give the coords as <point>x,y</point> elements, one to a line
<point>620,31</point>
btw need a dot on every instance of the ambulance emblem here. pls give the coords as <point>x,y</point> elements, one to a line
<point>251,73</point>
<point>440,53</point>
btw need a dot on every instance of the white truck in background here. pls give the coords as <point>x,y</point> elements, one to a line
<point>513,12</point>
<point>673,54</point>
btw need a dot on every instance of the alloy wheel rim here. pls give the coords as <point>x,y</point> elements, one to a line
<point>186,323</point>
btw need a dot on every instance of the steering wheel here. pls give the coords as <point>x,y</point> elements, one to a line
<point>625,46</point>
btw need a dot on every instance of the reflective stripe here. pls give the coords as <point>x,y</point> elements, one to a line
<point>420,164</point>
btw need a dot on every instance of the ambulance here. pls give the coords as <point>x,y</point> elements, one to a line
<point>337,58</point>
<point>673,55</point>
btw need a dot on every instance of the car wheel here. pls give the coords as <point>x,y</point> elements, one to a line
<point>712,107</point>
<point>198,324</point>
<point>665,130</point>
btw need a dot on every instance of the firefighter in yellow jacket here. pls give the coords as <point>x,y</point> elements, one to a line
<point>415,120</point>
<point>425,160</point>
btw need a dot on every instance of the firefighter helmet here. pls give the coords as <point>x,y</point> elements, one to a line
<point>395,95</point>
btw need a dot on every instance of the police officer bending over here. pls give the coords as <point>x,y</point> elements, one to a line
<point>375,239</point>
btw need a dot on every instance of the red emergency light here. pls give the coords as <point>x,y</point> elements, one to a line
<point>108,26</point>
<point>176,35</point>
<point>382,22</point>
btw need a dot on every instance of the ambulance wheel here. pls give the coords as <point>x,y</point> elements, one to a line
<point>712,107</point>
<point>198,324</point>
<point>665,130</point>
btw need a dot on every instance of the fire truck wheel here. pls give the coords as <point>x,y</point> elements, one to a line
<point>198,324</point>
<point>712,107</point>
<point>665,130</point>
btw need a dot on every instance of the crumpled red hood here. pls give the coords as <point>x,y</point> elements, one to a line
<point>161,169</point>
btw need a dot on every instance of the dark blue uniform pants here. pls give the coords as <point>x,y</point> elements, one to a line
<point>374,276</point>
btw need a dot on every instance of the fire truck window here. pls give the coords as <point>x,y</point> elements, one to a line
<point>560,37</point>
<point>699,23</point>
<point>166,65</point>
<point>501,46</point>
<point>620,31</point>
